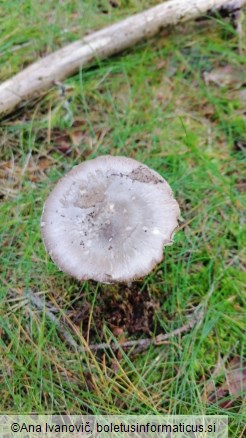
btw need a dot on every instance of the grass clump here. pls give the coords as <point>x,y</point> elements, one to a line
<point>152,104</point>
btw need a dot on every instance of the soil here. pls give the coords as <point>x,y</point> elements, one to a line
<point>127,311</point>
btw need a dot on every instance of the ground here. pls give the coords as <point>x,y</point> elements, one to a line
<point>177,104</point>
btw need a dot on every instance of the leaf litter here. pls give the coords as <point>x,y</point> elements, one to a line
<point>128,311</point>
<point>231,388</point>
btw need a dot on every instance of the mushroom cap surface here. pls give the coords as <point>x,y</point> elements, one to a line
<point>108,220</point>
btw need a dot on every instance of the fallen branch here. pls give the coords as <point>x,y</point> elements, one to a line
<point>40,76</point>
<point>136,345</point>
<point>37,302</point>
<point>143,344</point>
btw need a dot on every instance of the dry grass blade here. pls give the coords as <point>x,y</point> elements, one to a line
<point>135,345</point>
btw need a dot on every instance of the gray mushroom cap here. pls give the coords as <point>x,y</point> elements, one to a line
<point>108,220</point>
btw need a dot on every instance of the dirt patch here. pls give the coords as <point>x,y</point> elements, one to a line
<point>127,311</point>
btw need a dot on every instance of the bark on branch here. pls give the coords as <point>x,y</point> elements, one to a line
<point>41,75</point>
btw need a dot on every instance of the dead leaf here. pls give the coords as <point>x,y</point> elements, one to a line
<point>61,142</point>
<point>226,76</point>
<point>161,65</point>
<point>236,377</point>
<point>231,389</point>
<point>77,136</point>
<point>44,163</point>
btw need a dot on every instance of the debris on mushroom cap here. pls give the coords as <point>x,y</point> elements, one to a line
<point>108,220</point>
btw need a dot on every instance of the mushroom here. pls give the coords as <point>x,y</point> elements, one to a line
<point>108,220</point>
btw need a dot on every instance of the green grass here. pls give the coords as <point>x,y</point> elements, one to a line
<point>149,103</point>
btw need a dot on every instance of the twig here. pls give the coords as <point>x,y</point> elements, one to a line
<point>140,344</point>
<point>40,76</point>
<point>40,305</point>
<point>143,344</point>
